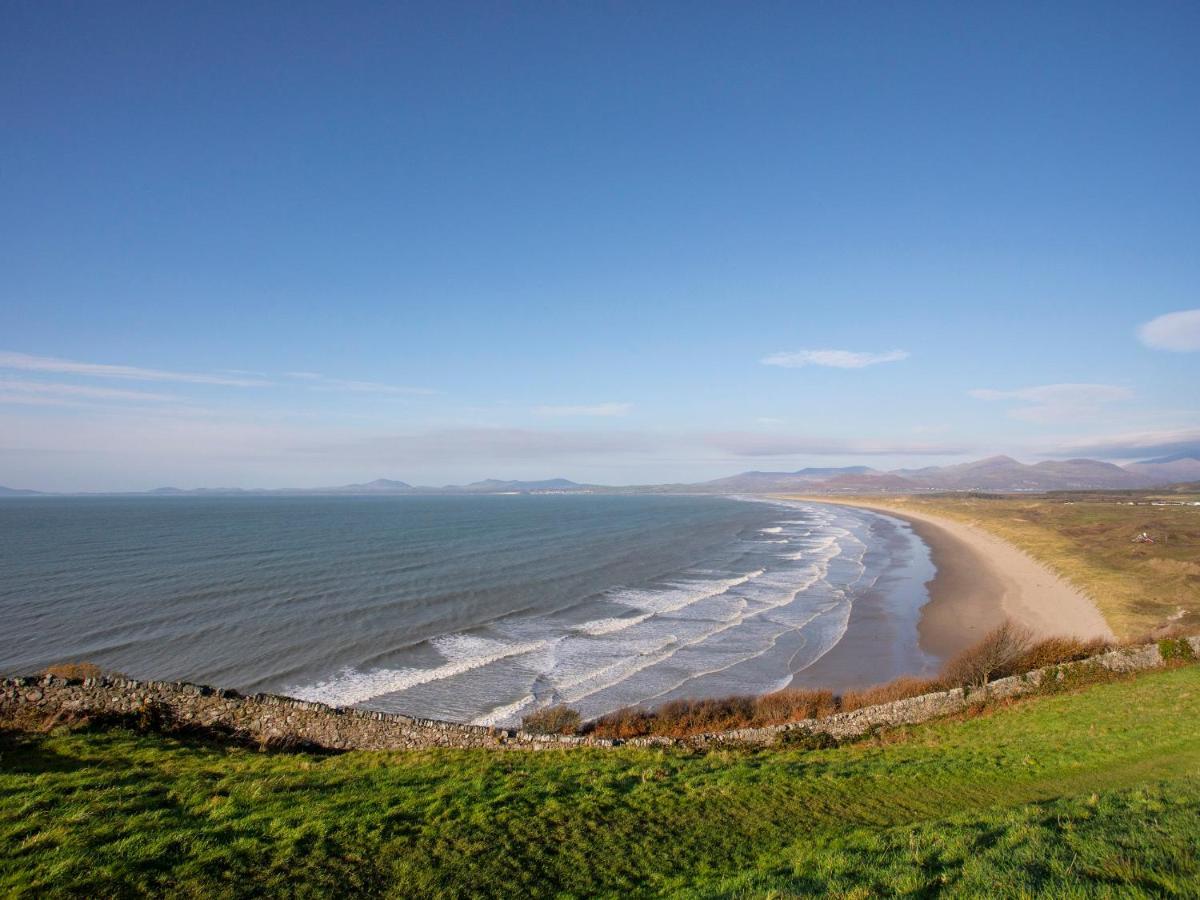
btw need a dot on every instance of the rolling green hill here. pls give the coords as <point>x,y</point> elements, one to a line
<point>1094,793</point>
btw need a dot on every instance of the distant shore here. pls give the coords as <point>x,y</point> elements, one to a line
<point>982,580</point>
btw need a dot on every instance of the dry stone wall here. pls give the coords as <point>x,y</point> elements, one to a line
<point>283,721</point>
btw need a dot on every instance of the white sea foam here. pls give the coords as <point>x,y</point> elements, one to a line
<point>462,654</point>
<point>504,714</point>
<point>775,530</point>
<point>631,660</point>
<point>681,594</point>
<point>613,623</point>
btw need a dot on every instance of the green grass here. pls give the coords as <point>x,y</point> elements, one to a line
<point>1094,793</point>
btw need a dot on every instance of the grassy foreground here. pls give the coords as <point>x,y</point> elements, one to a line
<point>1095,793</point>
<point>1089,540</point>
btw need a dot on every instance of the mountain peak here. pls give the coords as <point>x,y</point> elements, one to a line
<point>998,460</point>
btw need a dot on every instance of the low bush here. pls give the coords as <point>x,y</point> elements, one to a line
<point>627,722</point>
<point>1055,650</point>
<point>708,714</point>
<point>992,657</point>
<point>792,704</point>
<point>1176,650</point>
<point>551,720</point>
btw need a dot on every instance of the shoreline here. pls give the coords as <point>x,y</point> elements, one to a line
<point>981,580</point>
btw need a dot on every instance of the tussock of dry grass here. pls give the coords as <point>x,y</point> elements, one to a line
<point>76,670</point>
<point>1057,650</point>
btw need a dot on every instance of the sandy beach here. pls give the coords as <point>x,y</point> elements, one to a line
<point>982,580</point>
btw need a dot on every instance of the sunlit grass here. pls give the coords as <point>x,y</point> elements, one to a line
<point>1096,791</point>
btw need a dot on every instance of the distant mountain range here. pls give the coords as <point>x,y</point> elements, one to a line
<point>16,492</point>
<point>1000,474</point>
<point>996,473</point>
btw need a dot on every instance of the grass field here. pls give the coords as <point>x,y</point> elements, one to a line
<point>1094,793</point>
<point>1089,539</point>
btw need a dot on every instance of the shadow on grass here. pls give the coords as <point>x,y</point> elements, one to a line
<point>25,736</point>
<point>26,754</point>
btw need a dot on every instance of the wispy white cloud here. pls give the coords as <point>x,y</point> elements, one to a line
<point>1056,402</point>
<point>757,443</point>
<point>52,394</point>
<point>837,359</point>
<point>27,363</point>
<point>322,382</point>
<point>595,409</point>
<point>486,444</point>
<point>43,389</point>
<point>1178,331</point>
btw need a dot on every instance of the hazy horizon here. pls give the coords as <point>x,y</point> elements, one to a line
<point>442,244</point>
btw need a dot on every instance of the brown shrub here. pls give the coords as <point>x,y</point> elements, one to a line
<point>898,689</point>
<point>1055,650</point>
<point>793,704</point>
<point>551,720</point>
<point>993,657</point>
<point>623,723</point>
<point>74,670</point>
<point>680,717</point>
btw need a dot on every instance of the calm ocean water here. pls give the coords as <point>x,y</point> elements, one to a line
<point>467,608</point>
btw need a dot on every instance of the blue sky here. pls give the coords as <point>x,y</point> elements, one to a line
<point>612,242</point>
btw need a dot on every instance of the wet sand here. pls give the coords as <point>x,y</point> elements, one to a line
<point>982,580</point>
<point>879,645</point>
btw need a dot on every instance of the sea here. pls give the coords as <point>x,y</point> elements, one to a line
<point>467,608</point>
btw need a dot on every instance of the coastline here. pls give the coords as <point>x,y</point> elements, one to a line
<point>981,580</point>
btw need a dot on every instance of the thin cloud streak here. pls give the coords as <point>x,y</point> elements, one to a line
<point>483,444</point>
<point>758,444</point>
<point>27,363</point>
<point>836,359</point>
<point>1056,402</point>
<point>596,409</point>
<point>53,389</point>
<point>321,382</point>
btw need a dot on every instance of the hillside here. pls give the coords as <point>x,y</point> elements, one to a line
<point>1179,467</point>
<point>1077,793</point>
